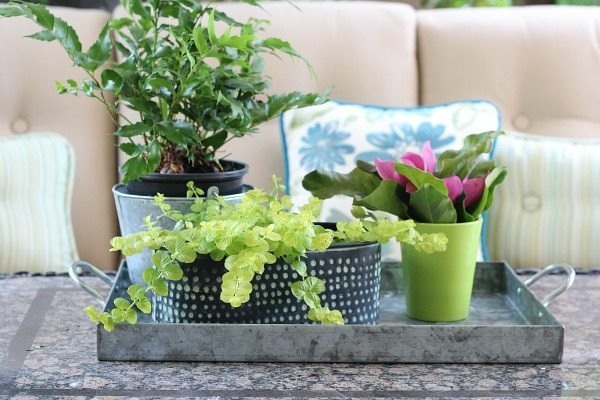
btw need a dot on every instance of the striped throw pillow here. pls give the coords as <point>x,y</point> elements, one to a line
<point>548,209</point>
<point>36,184</point>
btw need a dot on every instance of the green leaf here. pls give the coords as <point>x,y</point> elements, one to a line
<point>45,36</point>
<point>299,267</point>
<point>420,178</point>
<point>200,40</point>
<point>429,205</point>
<point>137,166</point>
<point>177,132</point>
<point>68,38</point>
<point>60,88</point>
<point>136,292</point>
<point>131,149</point>
<point>159,85</point>
<point>326,184</point>
<point>172,272</point>
<point>106,320</point>
<point>139,128</point>
<point>12,11</point>
<point>42,15</point>
<point>111,81</point>
<point>164,108</point>
<point>461,162</point>
<point>212,36</point>
<point>308,290</point>
<point>386,197</point>
<point>136,7</point>
<point>282,45</point>
<point>154,282</point>
<point>495,178</point>
<point>118,315</point>
<point>149,275</point>
<point>119,23</point>
<point>101,50</point>
<point>91,311</point>
<point>131,316</point>
<point>216,140</point>
<point>121,303</point>
<point>164,264</point>
<point>144,305</point>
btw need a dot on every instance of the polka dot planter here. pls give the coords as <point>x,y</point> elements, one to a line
<point>195,298</point>
<point>352,278</point>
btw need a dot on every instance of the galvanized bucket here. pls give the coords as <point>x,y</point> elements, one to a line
<point>351,273</point>
<point>131,211</point>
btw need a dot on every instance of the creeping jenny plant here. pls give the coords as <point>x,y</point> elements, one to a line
<point>248,237</point>
<point>192,88</point>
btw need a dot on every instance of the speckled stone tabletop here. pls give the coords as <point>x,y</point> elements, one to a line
<point>48,349</point>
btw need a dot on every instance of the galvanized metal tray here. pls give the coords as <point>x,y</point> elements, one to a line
<point>507,324</point>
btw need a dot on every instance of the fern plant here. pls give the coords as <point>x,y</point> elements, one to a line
<point>193,89</point>
<point>247,237</point>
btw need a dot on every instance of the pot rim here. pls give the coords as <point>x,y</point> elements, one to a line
<point>477,221</point>
<point>205,176</point>
<point>118,190</point>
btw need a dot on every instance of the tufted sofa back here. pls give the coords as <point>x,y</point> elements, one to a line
<point>29,103</point>
<point>540,65</point>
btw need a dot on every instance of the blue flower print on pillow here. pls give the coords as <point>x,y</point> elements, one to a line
<point>324,147</point>
<point>391,145</point>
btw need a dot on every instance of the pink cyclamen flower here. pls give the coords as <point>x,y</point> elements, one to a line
<point>454,186</point>
<point>387,170</point>
<point>426,161</point>
<point>473,189</point>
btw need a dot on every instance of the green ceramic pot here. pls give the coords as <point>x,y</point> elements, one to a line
<point>438,286</point>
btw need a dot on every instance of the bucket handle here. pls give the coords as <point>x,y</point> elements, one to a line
<point>559,290</point>
<point>87,267</point>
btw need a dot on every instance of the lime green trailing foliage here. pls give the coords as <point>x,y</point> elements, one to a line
<point>248,237</point>
<point>193,88</point>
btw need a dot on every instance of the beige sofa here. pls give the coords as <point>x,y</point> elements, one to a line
<point>540,65</point>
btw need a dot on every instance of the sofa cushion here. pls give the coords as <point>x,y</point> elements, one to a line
<point>29,103</point>
<point>540,65</point>
<point>547,211</point>
<point>335,135</point>
<point>36,183</point>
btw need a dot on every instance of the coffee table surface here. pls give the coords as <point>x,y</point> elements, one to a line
<point>48,348</point>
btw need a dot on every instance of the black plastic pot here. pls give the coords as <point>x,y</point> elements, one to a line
<point>174,185</point>
<point>352,277</point>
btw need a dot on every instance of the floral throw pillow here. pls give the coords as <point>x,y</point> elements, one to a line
<point>333,136</point>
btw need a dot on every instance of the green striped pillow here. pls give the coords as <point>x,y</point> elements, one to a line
<point>548,210</point>
<point>36,184</point>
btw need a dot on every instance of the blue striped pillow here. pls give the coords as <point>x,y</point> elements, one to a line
<point>36,184</point>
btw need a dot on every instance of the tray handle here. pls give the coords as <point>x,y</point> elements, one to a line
<point>87,267</point>
<point>559,290</point>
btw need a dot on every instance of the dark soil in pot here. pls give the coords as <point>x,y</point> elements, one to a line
<point>229,181</point>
